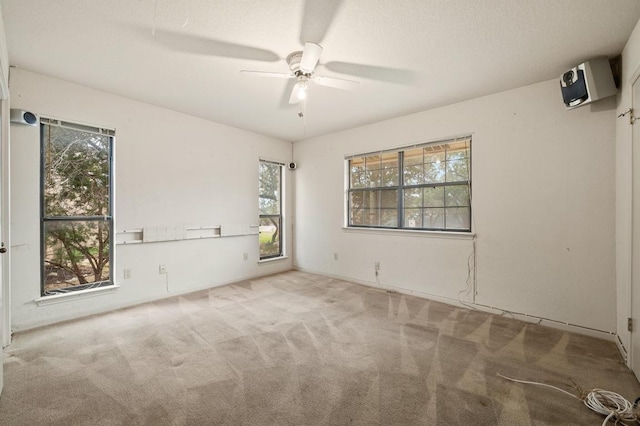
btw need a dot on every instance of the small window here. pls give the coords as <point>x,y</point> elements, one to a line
<point>76,207</point>
<point>270,203</point>
<point>426,187</point>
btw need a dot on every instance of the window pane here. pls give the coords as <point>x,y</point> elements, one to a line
<point>458,150</point>
<point>413,218</point>
<point>373,162</point>
<point>458,218</point>
<point>434,172</point>
<point>356,216</point>
<point>269,237</point>
<point>374,178</point>
<point>390,169</point>
<point>372,166</point>
<point>373,208</point>
<point>75,253</point>
<point>413,197</point>
<point>269,188</point>
<point>457,195</point>
<point>358,179</point>
<point>76,179</point>
<point>389,198</point>
<point>434,154</point>
<point>389,218</point>
<point>413,175</point>
<point>374,171</point>
<point>370,199</point>
<point>356,202</point>
<point>458,161</point>
<point>413,157</point>
<point>390,177</point>
<point>356,164</point>
<point>356,198</point>
<point>434,218</point>
<point>434,196</point>
<point>457,170</point>
<point>357,172</point>
<point>372,217</point>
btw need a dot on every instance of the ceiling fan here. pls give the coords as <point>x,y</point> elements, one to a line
<point>302,65</point>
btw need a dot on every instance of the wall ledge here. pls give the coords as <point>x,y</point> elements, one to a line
<point>75,295</point>
<point>272,259</point>
<point>412,233</point>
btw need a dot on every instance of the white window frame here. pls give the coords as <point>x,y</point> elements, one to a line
<point>397,205</point>
<point>280,216</point>
<point>108,218</point>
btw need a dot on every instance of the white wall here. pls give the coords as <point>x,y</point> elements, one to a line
<point>630,64</point>
<point>543,203</point>
<point>170,169</point>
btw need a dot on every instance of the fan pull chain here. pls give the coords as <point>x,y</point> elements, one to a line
<point>186,13</point>
<point>304,117</point>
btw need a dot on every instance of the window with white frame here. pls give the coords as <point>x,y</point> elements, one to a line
<point>424,187</point>
<point>270,203</point>
<point>76,206</point>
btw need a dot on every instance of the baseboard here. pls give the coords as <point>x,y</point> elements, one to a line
<point>623,351</point>
<point>72,316</point>
<point>548,322</point>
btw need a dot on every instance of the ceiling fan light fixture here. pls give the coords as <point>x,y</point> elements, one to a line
<point>301,90</point>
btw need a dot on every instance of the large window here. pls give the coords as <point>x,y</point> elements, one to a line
<point>424,187</point>
<point>76,206</point>
<point>270,200</point>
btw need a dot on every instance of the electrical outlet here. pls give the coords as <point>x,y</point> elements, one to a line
<point>127,274</point>
<point>377,265</point>
<point>335,256</point>
<point>246,256</point>
<point>162,269</point>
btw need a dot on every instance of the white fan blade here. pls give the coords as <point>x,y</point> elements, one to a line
<point>310,56</point>
<point>298,93</point>
<point>267,74</point>
<point>337,83</point>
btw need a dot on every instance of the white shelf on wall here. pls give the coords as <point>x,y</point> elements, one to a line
<point>152,234</point>
<point>129,236</point>
<point>156,234</point>
<point>238,230</point>
<point>203,232</point>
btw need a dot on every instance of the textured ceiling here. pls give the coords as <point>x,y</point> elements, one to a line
<point>408,55</point>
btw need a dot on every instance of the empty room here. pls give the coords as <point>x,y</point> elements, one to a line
<point>319,212</point>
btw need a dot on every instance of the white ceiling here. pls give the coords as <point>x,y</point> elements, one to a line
<point>409,55</point>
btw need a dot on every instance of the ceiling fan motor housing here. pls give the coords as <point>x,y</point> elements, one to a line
<point>294,62</point>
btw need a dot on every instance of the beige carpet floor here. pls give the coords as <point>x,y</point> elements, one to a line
<point>302,349</point>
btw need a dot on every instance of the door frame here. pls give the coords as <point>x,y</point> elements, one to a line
<point>634,270</point>
<point>5,221</point>
<point>5,264</point>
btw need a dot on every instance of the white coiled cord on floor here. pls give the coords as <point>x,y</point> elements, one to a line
<point>610,404</point>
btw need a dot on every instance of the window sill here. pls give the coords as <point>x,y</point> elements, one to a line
<point>74,295</point>
<point>273,259</point>
<point>413,233</point>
